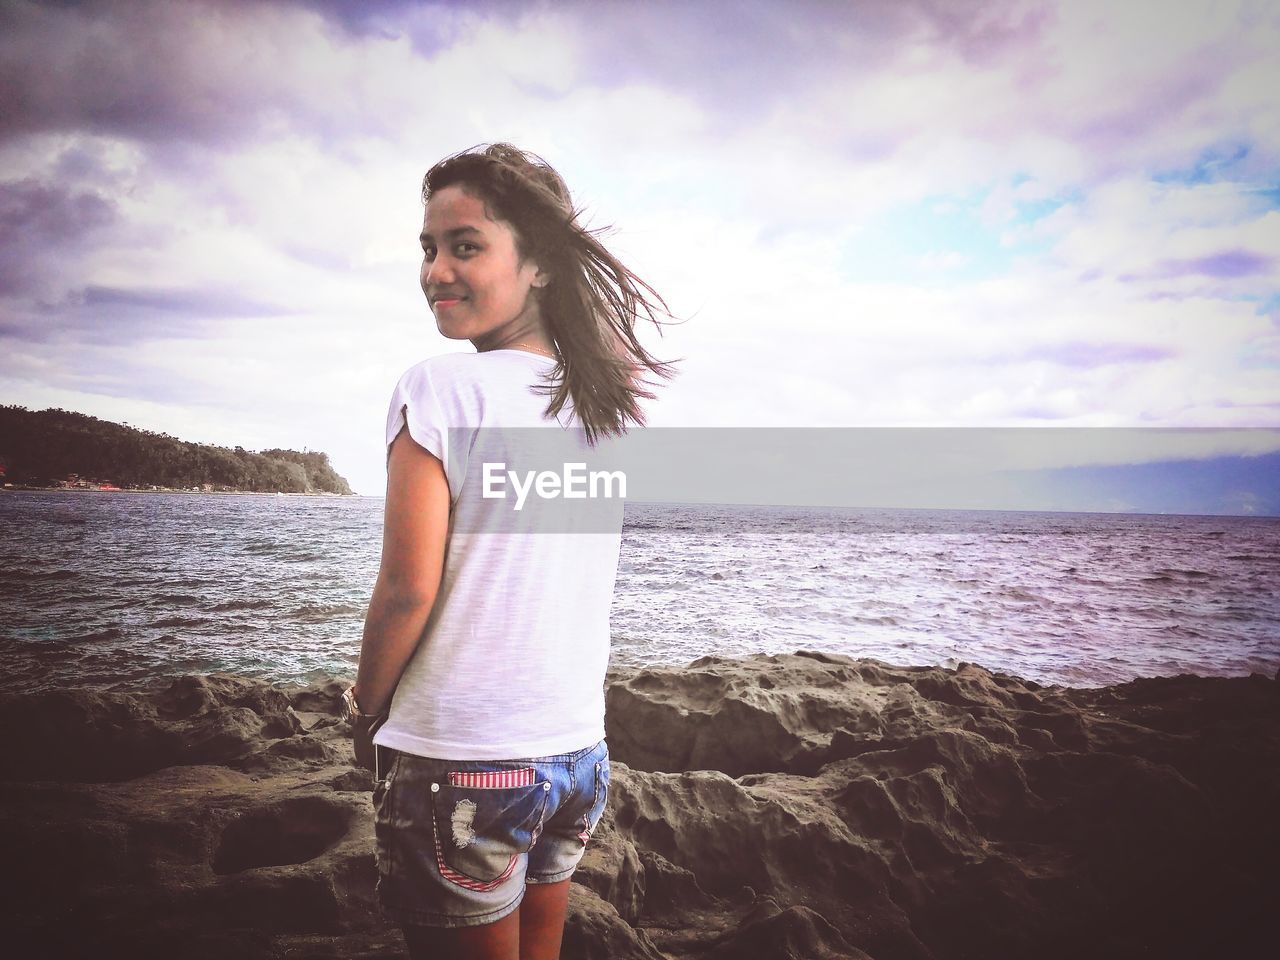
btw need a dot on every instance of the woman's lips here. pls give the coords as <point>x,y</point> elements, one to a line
<point>444,303</point>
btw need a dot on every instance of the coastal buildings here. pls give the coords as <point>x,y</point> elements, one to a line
<point>74,481</point>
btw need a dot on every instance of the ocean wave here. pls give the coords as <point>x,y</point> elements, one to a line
<point>229,605</point>
<point>97,636</point>
<point>320,612</point>
<point>12,574</point>
<point>1173,573</point>
<point>165,599</point>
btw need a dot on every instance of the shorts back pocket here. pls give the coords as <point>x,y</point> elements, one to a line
<point>483,824</point>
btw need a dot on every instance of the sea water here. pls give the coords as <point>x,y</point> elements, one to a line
<point>102,589</point>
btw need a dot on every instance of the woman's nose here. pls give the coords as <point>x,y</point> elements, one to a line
<point>439,271</point>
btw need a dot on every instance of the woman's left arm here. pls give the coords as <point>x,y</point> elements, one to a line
<point>415,527</point>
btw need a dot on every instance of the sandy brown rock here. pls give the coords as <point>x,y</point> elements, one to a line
<point>773,807</point>
<point>796,933</point>
<point>927,812</point>
<point>95,736</point>
<point>594,930</point>
<point>612,869</point>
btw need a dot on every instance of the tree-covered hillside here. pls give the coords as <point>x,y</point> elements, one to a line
<point>43,447</point>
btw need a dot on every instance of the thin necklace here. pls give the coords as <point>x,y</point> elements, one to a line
<point>532,348</point>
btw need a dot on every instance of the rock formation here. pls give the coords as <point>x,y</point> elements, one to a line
<point>800,806</point>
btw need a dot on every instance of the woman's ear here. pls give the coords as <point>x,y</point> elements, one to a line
<point>541,279</point>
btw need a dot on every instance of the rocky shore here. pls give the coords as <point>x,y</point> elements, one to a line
<point>801,806</point>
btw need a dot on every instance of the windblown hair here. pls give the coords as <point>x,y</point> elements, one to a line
<point>591,303</point>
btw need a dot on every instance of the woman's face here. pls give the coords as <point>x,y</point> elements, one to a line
<point>478,288</point>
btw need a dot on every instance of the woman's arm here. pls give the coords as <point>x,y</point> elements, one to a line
<point>413,540</point>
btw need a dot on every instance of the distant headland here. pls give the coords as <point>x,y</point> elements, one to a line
<point>59,449</point>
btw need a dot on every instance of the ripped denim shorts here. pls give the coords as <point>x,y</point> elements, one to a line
<point>457,840</point>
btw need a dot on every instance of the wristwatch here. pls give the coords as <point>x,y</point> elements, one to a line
<point>351,710</point>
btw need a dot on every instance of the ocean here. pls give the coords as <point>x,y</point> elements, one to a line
<point>102,589</point>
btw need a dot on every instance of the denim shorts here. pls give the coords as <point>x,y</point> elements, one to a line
<point>457,840</point>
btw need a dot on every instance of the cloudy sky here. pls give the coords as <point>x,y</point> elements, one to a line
<point>870,213</point>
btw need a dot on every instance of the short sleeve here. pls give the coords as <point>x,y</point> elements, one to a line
<point>414,402</point>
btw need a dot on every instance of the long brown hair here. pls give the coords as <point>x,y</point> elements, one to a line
<point>592,302</point>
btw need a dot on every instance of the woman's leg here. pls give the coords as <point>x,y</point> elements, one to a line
<point>542,914</point>
<point>533,932</point>
<point>499,940</point>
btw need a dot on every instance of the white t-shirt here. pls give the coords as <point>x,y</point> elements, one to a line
<point>512,661</point>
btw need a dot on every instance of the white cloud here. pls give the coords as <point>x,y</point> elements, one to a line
<point>281,161</point>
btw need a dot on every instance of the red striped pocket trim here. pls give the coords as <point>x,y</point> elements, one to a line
<point>493,779</point>
<point>462,880</point>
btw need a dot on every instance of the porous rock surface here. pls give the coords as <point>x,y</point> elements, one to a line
<point>799,806</point>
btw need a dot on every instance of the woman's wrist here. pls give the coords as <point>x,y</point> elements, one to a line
<point>353,710</point>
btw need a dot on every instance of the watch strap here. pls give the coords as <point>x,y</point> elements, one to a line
<point>351,709</point>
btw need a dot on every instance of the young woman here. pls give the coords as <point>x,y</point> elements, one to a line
<point>481,676</point>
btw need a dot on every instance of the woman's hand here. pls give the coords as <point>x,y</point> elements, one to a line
<point>362,730</point>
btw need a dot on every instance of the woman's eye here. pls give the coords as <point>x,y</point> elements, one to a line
<point>466,249</point>
<point>428,253</point>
